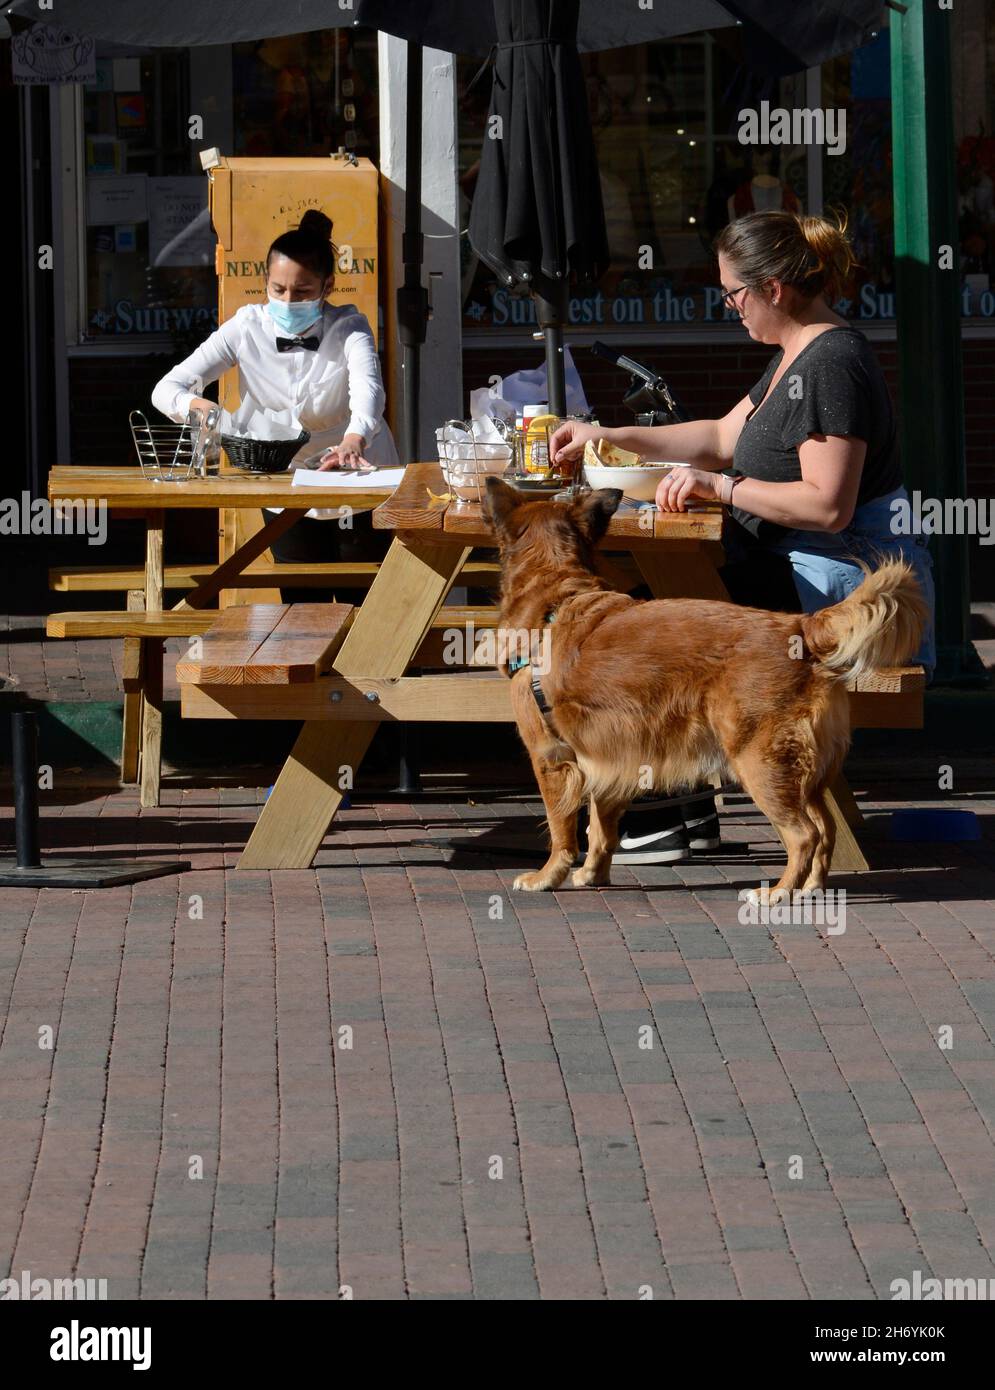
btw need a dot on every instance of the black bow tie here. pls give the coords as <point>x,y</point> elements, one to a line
<point>288,344</point>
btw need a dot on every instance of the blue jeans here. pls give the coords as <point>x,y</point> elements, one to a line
<point>825,569</point>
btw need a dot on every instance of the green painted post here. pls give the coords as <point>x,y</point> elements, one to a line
<point>928,305</point>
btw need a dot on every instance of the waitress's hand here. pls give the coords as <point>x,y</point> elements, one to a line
<point>680,484</point>
<point>348,454</point>
<point>202,403</point>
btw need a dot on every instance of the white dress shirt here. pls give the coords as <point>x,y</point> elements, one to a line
<point>333,391</point>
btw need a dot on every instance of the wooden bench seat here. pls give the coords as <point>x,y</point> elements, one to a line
<point>280,644</point>
<point>189,622</point>
<point>171,622</point>
<point>478,574</point>
<point>268,644</point>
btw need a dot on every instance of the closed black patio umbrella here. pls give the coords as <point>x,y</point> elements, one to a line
<point>537,213</point>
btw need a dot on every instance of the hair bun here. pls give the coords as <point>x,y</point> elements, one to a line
<point>828,244</point>
<point>316,224</point>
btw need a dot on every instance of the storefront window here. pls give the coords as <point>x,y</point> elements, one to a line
<point>973,64</point>
<point>859,181</point>
<point>149,245</point>
<point>149,242</point>
<point>673,172</point>
<point>307,94</point>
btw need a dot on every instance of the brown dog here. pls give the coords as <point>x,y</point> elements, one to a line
<point>660,695</point>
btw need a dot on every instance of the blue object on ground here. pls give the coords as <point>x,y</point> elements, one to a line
<point>934,824</point>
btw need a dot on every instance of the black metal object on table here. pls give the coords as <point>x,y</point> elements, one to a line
<point>648,397</point>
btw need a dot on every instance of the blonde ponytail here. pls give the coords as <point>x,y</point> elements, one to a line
<point>833,257</point>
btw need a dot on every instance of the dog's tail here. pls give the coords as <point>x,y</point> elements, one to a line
<point>880,624</point>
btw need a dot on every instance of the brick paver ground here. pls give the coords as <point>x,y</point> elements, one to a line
<point>389,1073</point>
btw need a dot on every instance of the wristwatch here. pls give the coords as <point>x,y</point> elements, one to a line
<point>726,487</point>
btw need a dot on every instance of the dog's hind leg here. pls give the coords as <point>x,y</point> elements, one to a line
<point>781,800</point>
<point>602,838</point>
<point>823,856</point>
<point>561,785</point>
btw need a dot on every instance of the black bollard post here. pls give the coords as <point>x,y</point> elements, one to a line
<point>409,763</point>
<point>26,867</point>
<point>24,742</point>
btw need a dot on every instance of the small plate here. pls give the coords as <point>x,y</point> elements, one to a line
<point>528,482</point>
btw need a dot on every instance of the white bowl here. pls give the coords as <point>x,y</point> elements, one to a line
<point>640,482</point>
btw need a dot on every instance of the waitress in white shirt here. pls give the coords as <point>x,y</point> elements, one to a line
<point>302,362</point>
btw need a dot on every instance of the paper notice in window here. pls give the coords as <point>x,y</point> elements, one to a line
<point>179,223</point>
<point>113,199</point>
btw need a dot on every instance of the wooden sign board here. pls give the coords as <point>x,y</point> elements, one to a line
<point>254,200</point>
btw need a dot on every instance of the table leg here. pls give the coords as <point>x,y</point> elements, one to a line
<point>250,550</point>
<point>152,665</point>
<point>237,525</point>
<point>847,856</point>
<point>388,629</point>
<point>131,723</point>
<point>151,769</point>
<point>680,574</point>
<point>847,802</point>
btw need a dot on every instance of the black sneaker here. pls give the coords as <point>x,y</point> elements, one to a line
<point>652,832</point>
<point>701,821</point>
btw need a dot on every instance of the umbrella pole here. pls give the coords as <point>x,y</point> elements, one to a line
<point>551,315</point>
<point>412,326</point>
<point>412,297</point>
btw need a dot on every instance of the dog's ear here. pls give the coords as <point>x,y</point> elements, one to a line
<point>500,502</point>
<point>594,511</point>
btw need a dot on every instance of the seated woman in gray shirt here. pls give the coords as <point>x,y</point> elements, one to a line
<point>815,478</point>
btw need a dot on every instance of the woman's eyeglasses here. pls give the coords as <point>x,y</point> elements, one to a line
<point>727,298</point>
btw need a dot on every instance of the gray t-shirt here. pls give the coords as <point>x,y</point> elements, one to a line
<point>834,386</point>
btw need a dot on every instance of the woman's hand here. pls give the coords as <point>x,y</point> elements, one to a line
<point>202,403</point>
<point>568,441</point>
<point>348,454</point>
<point>680,484</point>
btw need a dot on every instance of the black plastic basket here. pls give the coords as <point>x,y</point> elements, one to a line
<point>262,455</point>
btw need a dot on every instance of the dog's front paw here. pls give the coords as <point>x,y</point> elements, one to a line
<point>591,878</point>
<point>766,894</point>
<point>533,883</point>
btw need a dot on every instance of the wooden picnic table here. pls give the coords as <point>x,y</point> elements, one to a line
<point>128,489</point>
<point>677,555</point>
